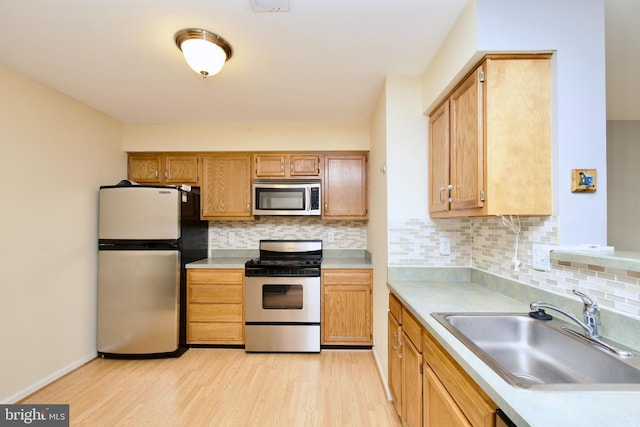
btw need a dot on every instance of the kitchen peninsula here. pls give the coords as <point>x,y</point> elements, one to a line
<point>424,291</point>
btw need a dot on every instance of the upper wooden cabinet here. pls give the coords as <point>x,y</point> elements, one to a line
<point>163,168</point>
<point>226,187</point>
<point>344,192</point>
<point>282,165</point>
<point>490,141</point>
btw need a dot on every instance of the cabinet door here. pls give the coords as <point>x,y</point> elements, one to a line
<point>304,165</point>
<point>181,169</point>
<point>226,186</point>
<point>467,143</point>
<point>345,186</point>
<point>346,309</point>
<point>145,168</point>
<point>439,153</point>
<point>395,362</point>
<point>270,166</point>
<point>411,384</point>
<point>439,408</point>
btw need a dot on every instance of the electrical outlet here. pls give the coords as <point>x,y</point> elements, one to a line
<point>231,237</point>
<point>541,257</point>
<point>331,236</point>
<point>445,246</point>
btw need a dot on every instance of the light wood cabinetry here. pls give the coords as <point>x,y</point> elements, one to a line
<point>215,310</point>
<point>347,307</point>
<point>345,186</point>
<point>226,187</point>
<point>163,168</point>
<point>405,363</point>
<point>395,357</point>
<point>427,385</point>
<point>490,141</point>
<point>411,371</point>
<point>451,396</point>
<point>282,165</point>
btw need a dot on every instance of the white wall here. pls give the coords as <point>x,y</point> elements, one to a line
<point>220,137</point>
<point>55,154</point>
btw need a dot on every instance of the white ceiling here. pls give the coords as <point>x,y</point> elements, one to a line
<point>323,61</point>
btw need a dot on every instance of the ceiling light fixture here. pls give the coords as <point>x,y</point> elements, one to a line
<point>204,51</point>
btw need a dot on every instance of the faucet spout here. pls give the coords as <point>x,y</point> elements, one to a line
<point>535,306</point>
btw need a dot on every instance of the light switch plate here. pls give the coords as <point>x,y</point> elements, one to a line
<point>445,246</point>
<point>541,257</point>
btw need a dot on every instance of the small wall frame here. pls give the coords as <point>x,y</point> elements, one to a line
<point>583,180</point>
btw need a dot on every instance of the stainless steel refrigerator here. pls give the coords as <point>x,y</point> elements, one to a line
<point>146,235</point>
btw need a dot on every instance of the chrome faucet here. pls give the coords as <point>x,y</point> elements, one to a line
<point>590,313</point>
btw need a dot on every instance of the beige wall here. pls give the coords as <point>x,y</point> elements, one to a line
<point>222,137</point>
<point>55,154</point>
<point>377,231</point>
<point>455,57</point>
<point>399,135</point>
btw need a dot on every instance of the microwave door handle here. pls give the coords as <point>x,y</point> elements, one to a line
<point>307,199</point>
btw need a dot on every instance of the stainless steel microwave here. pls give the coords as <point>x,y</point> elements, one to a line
<point>286,197</point>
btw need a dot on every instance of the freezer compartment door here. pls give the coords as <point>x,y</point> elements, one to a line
<point>139,213</point>
<point>138,301</point>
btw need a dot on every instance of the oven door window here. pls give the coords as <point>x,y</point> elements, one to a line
<point>280,199</point>
<point>282,297</point>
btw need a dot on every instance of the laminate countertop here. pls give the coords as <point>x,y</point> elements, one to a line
<point>565,406</point>
<point>332,259</point>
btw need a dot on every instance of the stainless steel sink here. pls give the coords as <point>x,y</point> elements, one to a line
<point>531,353</point>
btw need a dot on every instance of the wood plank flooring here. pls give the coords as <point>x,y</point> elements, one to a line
<point>226,387</point>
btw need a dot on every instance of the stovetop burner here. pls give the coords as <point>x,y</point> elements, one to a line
<point>285,258</point>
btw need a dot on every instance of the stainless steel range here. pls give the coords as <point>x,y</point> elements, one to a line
<point>282,297</point>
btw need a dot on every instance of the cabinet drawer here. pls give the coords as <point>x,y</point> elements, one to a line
<point>395,308</point>
<point>215,293</point>
<point>215,277</point>
<point>411,327</point>
<point>215,333</point>
<point>346,277</point>
<point>214,313</point>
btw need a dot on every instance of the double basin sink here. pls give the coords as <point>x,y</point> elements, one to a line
<point>531,353</point>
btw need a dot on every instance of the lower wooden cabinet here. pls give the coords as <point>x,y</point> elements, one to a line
<point>347,307</point>
<point>428,386</point>
<point>395,362</point>
<point>411,371</point>
<point>215,310</point>
<point>451,396</point>
<point>439,407</point>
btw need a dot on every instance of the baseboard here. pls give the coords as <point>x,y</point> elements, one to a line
<point>48,379</point>
<point>381,374</point>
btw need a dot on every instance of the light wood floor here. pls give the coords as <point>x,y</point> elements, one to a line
<point>226,387</point>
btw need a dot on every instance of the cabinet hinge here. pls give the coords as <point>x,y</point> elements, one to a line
<point>482,196</point>
<point>481,75</point>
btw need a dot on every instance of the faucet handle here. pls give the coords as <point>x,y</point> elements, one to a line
<point>589,302</point>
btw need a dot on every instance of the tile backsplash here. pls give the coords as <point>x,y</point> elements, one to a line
<point>487,244</point>
<point>247,234</point>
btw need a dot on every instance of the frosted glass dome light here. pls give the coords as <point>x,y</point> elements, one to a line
<point>204,51</point>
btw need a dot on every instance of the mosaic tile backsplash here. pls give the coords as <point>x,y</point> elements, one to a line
<point>487,244</point>
<point>247,234</point>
